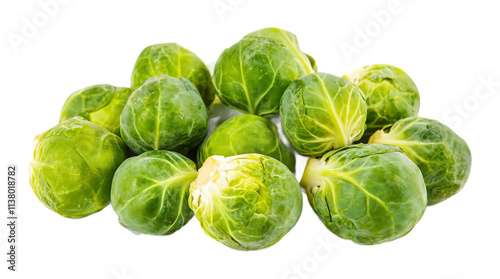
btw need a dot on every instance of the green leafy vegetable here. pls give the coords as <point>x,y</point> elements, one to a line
<point>443,157</point>
<point>390,93</point>
<point>100,104</point>
<point>366,193</point>
<point>73,165</point>
<point>246,202</point>
<point>173,60</point>
<point>243,134</point>
<point>165,113</point>
<point>252,75</point>
<point>321,112</point>
<point>150,192</point>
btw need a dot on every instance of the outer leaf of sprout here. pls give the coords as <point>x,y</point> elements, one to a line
<point>252,75</point>
<point>443,157</point>
<point>390,93</point>
<point>321,112</point>
<point>150,192</point>
<point>73,165</point>
<point>165,113</point>
<point>173,60</point>
<point>366,193</point>
<point>291,44</point>
<point>246,202</point>
<point>243,134</point>
<point>100,104</point>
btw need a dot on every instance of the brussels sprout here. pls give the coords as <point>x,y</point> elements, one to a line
<point>390,93</point>
<point>246,202</point>
<point>366,193</point>
<point>150,192</point>
<point>289,40</point>
<point>321,112</point>
<point>173,60</point>
<point>164,113</point>
<point>443,157</point>
<point>73,166</point>
<point>243,134</point>
<point>100,104</point>
<point>252,75</point>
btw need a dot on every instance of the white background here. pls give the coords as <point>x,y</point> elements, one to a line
<point>447,47</point>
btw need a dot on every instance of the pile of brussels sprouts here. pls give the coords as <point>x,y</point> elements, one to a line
<point>373,166</point>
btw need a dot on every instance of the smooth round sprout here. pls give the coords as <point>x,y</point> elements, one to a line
<point>366,193</point>
<point>246,202</point>
<point>243,134</point>
<point>73,166</point>
<point>165,113</point>
<point>100,104</point>
<point>321,112</point>
<point>173,60</point>
<point>390,93</point>
<point>150,192</point>
<point>443,157</point>
<point>252,75</point>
